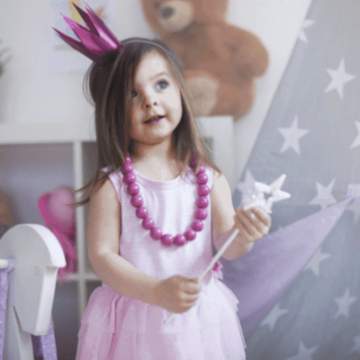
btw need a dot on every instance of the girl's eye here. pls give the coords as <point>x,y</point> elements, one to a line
<point>162,84</point>
<point>133,94</point>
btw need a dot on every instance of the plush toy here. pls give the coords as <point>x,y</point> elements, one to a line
<point>5,219</point>
<point>59,217</point>
<point>221,61</point>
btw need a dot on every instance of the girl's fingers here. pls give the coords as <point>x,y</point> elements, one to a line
<point>248,223</point>
<point>190,299</point>
<point>256,222</point>
<point>263,216</point>
<point>261,220</point>
<point>191,286</point>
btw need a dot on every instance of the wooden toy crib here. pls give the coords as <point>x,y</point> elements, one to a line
<point>30,256</point>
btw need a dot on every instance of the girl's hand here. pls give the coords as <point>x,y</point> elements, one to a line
<point>177,294</point>
<point>253,224</point>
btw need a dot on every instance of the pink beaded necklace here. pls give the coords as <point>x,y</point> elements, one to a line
<point>148,223</point>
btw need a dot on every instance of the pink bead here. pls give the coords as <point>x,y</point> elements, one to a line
<point>202,190</point>
<point>190,234</point>
<point>141,212</point>
<point>201,178</point>
<point>167,240</point>
<point>148,223</point>
<point>180,240</point>
<point>127,168</point>
<point>201,214</point>
<point>201,169</point>
<point>133,189</point>
<point>127,159</point>
<point>129,178</point>
<point>202,202</point>
<point>137,200</point>
<point>197,225</point>
<point>155,233</point>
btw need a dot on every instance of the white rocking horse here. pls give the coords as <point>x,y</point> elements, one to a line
<point>38,256</point>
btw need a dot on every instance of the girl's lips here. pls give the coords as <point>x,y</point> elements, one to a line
<point>154,120</point>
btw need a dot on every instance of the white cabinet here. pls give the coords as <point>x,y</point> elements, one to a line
<point>34,159</point>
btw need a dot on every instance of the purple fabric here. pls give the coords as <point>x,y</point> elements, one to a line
<point>258,280</point>
<point>43,345</point>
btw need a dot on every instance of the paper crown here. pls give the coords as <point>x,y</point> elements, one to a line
<point>96,41</point>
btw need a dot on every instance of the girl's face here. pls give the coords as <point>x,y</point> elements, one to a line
<point>156,108</point>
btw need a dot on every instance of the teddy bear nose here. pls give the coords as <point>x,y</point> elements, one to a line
<point>166,12</point>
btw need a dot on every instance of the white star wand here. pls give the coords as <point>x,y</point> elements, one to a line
<point>259,200</point>
<point>273,192</point>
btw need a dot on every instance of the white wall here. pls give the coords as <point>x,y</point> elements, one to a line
<point>277,23</point>
<point>29,93</point>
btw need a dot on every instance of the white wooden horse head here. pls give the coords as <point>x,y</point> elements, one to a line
<point>38,256</point>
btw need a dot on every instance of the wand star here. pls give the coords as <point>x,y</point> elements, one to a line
<point>266,195</point>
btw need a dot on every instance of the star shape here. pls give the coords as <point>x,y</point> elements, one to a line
<point>324,197</point>
<point>315,261</point>
<point>273,316</point>
<point>292,136</point>
<point>356,347</point>
<point>303,353</point>
<point>246,187</point>
<point>344,304</point>
<point>306,24</point>
<point>339,78</point>
<point>354,207</point>
<point>273,192</point>
<point>356,142</point>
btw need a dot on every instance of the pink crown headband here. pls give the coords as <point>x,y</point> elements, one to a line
<point>96,41</point>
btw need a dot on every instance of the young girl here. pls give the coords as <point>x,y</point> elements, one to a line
<point>157,204</point>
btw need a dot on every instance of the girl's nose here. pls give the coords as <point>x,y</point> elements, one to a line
<point>149,101</point>
<point>148,104</point>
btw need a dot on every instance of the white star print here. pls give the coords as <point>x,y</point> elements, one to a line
<point>339,78</point>
<point>303,353</point>
<point>246,187</point>
<point>324,197</point>
<point>315,261</point>
<point>356,347</point>
<point>355,208</point>
<point>273,316</point>
<point>344,304</point>
<point>357,139</point>
<point>292,136</point>
<point>306,24</point>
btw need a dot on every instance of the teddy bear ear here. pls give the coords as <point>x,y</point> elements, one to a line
<point>166,17</point>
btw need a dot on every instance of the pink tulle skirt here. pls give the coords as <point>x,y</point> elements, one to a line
<point>116,327</point>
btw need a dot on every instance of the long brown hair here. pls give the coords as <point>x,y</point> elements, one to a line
<point>109,87</point>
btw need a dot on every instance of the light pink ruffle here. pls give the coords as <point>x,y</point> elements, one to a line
<point>119,327</point>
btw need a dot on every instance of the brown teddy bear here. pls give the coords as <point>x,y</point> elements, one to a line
<point>221,62</point>
<point>5,220</point>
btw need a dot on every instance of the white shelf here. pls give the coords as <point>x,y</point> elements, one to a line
<point>30,133</point>
<point>39,157</point>
<point>86,276</point>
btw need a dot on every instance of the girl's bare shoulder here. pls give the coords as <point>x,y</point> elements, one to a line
<point>103,192</point>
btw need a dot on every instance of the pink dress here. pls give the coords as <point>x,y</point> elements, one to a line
<point>115,326</point>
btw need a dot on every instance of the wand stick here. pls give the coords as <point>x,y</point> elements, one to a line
<point>213,261</point>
